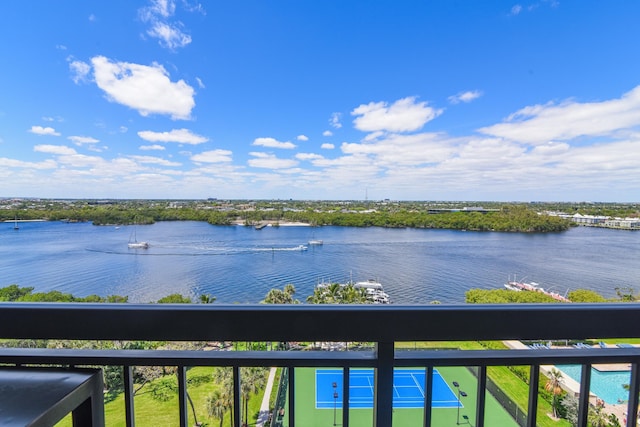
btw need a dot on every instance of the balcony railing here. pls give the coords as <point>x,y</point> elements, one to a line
<point>382,325</point>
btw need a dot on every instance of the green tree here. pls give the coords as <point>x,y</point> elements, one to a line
<point>207,299</point>
<point>217,404</point>
<point>223,377</point>
<point>625,294</point>
<point>585,295</point>
<point>14,293</point>
<point>175,299</point>
<point>252,380</point>
<point>554,386</point>
<point>284,296</point>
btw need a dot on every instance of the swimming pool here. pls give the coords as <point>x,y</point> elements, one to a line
<point>608,386</point>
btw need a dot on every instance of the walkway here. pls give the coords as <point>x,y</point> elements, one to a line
<point>263,416</point>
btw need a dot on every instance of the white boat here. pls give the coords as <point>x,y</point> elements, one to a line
<point>138,245</point>
<point>302,247</point>
<point>512,287</point>
<point>313,241</point>
<point>133,241</point>
<point>517,286</point>
<point>374,291</point>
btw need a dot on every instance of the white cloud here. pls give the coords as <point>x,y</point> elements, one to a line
<point>79,71</point>
<point>147,89</point>
<point>327,146</point>
<point>516,9</point>
<point>54,149</point>
<point>154,160</point>
<point>170,34</point>
<point>13,163</point>
<point>213,156</point>
<point>151,147</point>
<point>404,115</point>
<point>79,140</point>
<point>308,156</point>
<point>159,8</point>
<point>200,83</point>
<point>270,161</point>
<point>302,138</point>
<point>539,124</point>
<point>327,133</point>
<point>465,97</point>
<point>39,130</point>
<point>273,143</point>
<point>52,119</point>
<point>183,136</point>
<point>373,136</point>
<point>334,120</point>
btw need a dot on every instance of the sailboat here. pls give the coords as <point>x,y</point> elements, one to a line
<point>15,224</point>
<point>133,241</point>
<point>314,241</point>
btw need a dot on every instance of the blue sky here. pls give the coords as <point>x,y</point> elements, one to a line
<point>334,99</point>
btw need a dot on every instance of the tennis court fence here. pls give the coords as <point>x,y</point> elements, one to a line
<point>512,408</point>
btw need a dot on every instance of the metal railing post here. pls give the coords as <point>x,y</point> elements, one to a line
<point>383,385</point>
<point>128,396</point>
<point>481,393</point>
<point>182,396</point>
<point>345,397</point>
<point>428,395</point>
<point>585,385</point>
<point>634,389</point>
<point>292,397</point>
<point>237,410</point>
<point>532,409</point>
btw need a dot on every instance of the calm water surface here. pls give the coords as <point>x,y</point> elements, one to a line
<point>240,264</point>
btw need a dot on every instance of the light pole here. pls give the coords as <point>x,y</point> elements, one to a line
<point>460,394</point>
<point>335,401</point>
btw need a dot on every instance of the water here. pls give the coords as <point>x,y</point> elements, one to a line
<point>608,386</point>
<point>240,264</point>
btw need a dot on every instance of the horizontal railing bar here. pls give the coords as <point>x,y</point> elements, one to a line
<point>188,357</point>
<point>379,323</point>
<point>354,359</point>
<point>516,357</point>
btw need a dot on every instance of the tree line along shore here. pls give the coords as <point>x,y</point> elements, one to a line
<point>500,217</point>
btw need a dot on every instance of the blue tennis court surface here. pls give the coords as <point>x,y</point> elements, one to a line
<point>408,389</point>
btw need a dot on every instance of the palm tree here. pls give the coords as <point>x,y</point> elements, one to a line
<point>554,386</point>
<point>217,405</point>
<point>252,381</point>
<point>277,296</point>
<point>224,378</point>
<point>207,299</point>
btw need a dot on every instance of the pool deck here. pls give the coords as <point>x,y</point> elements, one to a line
<point>573,387</point>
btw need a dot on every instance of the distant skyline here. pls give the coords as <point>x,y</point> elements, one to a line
<point>331,100</point>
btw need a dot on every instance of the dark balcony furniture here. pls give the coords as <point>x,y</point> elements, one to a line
<point>40,397</point>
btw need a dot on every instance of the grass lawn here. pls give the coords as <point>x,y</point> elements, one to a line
<point>152,412</point>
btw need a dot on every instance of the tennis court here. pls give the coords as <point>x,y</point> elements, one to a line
<point>408,389</point>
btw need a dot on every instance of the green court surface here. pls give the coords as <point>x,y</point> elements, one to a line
<point>308,416</point>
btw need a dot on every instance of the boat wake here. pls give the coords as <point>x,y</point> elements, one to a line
<point>199,250</point>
